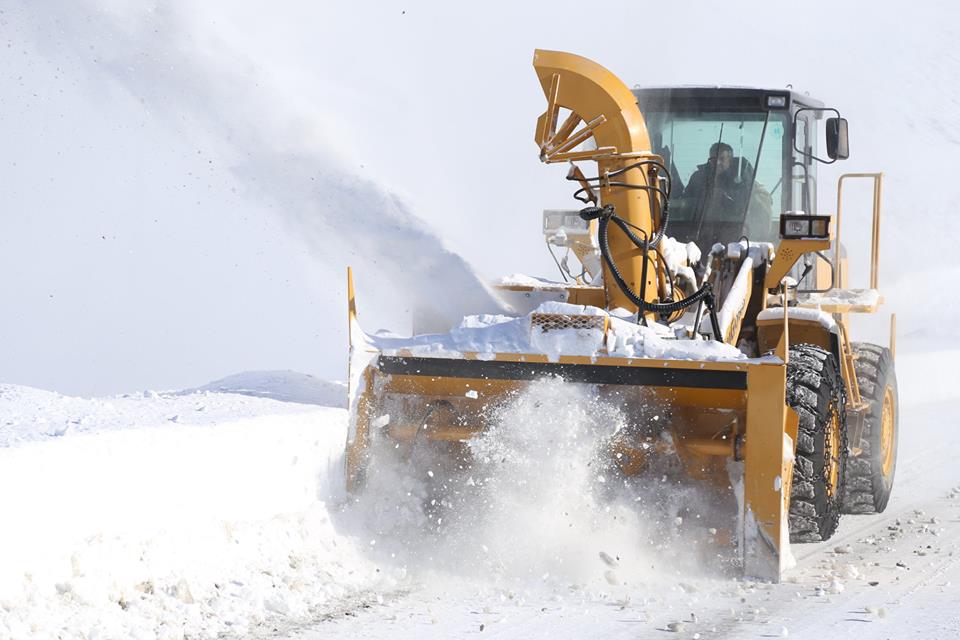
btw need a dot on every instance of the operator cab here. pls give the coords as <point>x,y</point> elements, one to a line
<point>738,157</point>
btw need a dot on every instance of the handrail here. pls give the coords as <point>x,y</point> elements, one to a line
<point>875,232</point>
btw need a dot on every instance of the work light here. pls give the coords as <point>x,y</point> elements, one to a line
<point>793,226</point>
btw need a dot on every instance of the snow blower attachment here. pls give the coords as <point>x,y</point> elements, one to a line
<point>745,349</point>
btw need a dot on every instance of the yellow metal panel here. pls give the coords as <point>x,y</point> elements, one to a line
<point>767,469</point>
<point>590,91</point>
<point>358,448</point>
<point>351,305</point>
<point>893,335</point>
<point>801,332</point>
<point>443,433</point>
<point>603,101</point>
<point>547,126</point>
<point>848,371</point>
<point>823,275</point>
<point>793,426</point>
<point>788,252</point>
<point>783,344</point>
<point>705,398</point>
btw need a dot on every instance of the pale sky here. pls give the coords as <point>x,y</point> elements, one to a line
<point>184,183</point>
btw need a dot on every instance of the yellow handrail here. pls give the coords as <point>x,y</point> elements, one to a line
<point>875,234</point>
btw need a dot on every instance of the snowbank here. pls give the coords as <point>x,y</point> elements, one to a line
<point>287,386</point>
<point>34,415</point>
<point>169,515</point>
<point>523,280</point>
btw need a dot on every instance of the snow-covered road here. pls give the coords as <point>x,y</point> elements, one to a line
<point>220,511</point>
<point>171,515</point>
<point>891,576</point>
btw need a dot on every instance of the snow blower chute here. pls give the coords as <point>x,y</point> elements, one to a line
<point>745,344</point>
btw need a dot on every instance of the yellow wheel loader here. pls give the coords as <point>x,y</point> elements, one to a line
<point>708,284</point>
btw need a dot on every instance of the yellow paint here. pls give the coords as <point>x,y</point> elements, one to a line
<point>893,336</point>
<point>788,252</point>
<point>358,448</point>
<point>877,179</point>
<point>769,333</point>
<point>351,305</point>
<point>598,98</point>
<point>765,462</point>
<point>887,432</point>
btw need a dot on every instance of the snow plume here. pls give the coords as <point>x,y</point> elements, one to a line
<point>221,101</point>
<point>537,499</point>
<point>543,467</point>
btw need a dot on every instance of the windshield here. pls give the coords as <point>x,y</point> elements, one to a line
<point>726,173</point>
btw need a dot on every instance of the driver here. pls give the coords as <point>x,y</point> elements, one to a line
<point>721,192</point>
<point>716,179</point>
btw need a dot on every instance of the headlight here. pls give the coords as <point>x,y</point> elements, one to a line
<point>793,226</point>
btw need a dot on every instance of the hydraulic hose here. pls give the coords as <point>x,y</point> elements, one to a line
<point>604,215</point>
<point>664,193</point>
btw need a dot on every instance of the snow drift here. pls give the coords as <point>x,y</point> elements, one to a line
<point>170,515</point>
<point>202,513</point>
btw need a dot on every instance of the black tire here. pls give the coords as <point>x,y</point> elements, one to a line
<point>816,392</point>
<point>868,485</point>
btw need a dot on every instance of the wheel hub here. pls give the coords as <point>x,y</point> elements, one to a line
<point>887,432</point>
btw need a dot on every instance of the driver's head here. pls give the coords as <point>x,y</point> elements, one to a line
<point>721,155</point>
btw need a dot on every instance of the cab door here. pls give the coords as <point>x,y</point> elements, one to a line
<point>804,168</point>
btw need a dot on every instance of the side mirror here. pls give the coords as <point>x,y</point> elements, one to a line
<point>838,145</point>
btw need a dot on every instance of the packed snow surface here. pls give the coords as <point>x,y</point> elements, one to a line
<point>853,297</point>
<point>202,513</point>
<point>231,521</point>
<point>170,515</point>
<point>491,334</point>
<point>800,313</point>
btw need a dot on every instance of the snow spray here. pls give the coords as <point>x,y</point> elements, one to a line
<point>536,499</point>
<point>219,100</point>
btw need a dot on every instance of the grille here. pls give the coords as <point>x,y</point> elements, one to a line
<point>555,321</point>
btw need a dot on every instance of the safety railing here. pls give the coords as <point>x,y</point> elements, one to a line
<point>875,233</point>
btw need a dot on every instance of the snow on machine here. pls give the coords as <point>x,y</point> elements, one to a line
<point>707,284</point>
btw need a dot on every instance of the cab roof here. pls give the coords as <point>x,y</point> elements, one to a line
<point>720,98</point>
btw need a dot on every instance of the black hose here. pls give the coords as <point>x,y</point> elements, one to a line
<point>606,214</point>
<point>663,193</point>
